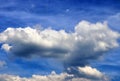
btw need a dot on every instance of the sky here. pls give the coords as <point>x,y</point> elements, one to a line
<point>59,40</point>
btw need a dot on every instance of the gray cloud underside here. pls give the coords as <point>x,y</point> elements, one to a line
<point>88,41</point>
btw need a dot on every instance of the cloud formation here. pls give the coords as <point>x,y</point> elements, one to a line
<point>90,72</point>
<point>51,77</point>
<point>88,42</point>
<point>86,72</point>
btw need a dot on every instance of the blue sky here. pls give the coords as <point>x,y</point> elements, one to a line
<point>58,14</point>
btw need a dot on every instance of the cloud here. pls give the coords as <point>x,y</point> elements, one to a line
<point>86,72</point>
<point>6,47</point>
<point>51,77</point>
<point>114,20</point>
<point>89,41</point>
<point>91,72</point>
<point>24,42</point>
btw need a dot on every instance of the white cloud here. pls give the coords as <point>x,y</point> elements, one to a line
<point>88,41</point>
<point>51,77</point>
<point>6,47</point>
<point>86,72</point>
<point>91,72</point>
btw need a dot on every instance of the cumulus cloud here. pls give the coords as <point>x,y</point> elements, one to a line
<point>88,41</point>
<point>52,77</point>
<point>27,42</point>
<point>86,72</point>
<point>90,72</point>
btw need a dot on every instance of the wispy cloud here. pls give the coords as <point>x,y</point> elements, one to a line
<point>2,64</point>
